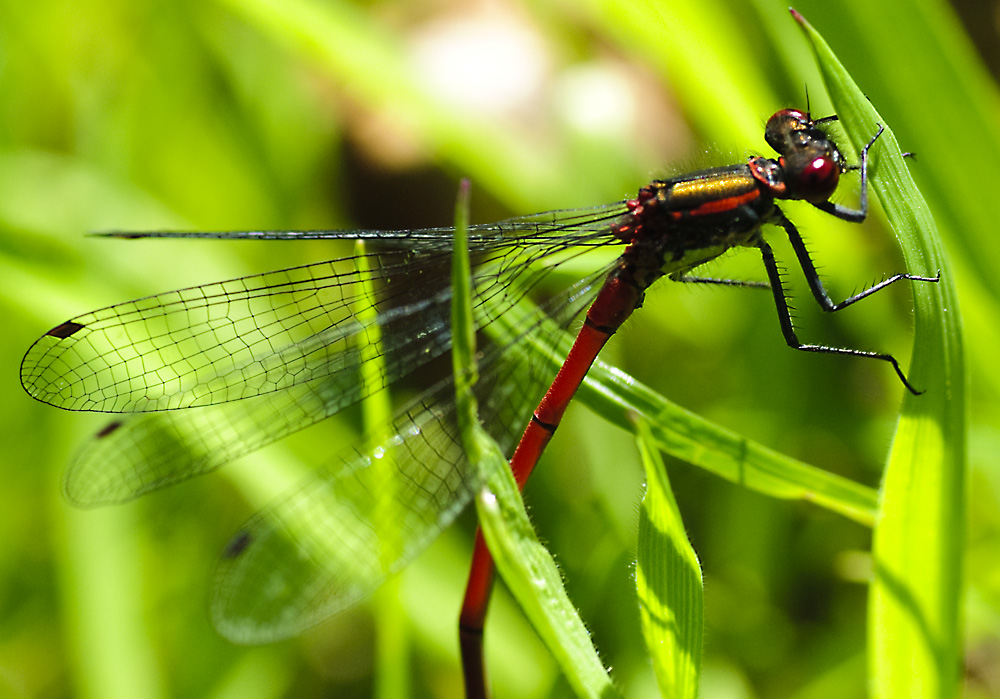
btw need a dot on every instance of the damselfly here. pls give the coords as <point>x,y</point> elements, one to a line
<point>203,375</point>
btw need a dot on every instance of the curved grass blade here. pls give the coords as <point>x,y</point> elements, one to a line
<point>914,622</point>
<point>668,582</point>
<point>525,565</point>
<point>618,398</point>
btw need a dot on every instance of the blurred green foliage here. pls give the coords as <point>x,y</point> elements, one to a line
<point>260,114</point>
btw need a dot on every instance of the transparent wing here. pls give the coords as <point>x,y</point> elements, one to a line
<point>270,354</point>
<point>216,371</point>
<point>244,337</point>
<point>334,541</point>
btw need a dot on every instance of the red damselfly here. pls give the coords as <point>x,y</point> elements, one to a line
<point>203,375</point>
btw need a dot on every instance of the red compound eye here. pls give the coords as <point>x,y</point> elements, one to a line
<point>817,180</point>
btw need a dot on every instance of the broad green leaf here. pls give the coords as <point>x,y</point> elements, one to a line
<point>914,622</point>
<point>668,582</point>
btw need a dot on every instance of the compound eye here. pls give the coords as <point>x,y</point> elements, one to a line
<point>817,181</point>
<point>787,115</point>
<point>781,126</point>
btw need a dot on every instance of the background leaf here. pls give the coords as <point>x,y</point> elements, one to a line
<point>916,647</point>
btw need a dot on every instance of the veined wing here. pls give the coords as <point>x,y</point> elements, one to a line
<point>313,377</point>
<point>139,453</point>
<point>333,541</point>
<point>240,338</point>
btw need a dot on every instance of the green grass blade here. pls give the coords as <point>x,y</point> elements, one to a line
<point>619,398</point>
<point>914,620</point>
<point>699,441</point>
<point>462,327</point>
<point>533,578</point>
<point>668,582</point>
<point>525,565</point>
<point>392,643</point>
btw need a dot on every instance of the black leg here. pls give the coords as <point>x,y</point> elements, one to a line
<point>688,279</point>
<point>848,214</point>
<point>785,319</point>
<point>812,276</point>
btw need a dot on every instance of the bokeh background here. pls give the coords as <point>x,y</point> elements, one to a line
<point>235,114</point>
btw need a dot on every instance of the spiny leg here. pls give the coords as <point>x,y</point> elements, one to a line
<point>785,319</point>
<point>812,276</point>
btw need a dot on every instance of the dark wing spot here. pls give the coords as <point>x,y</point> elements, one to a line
<point>108,429</point>
<point>65,330</point>
<point>237,545</point>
